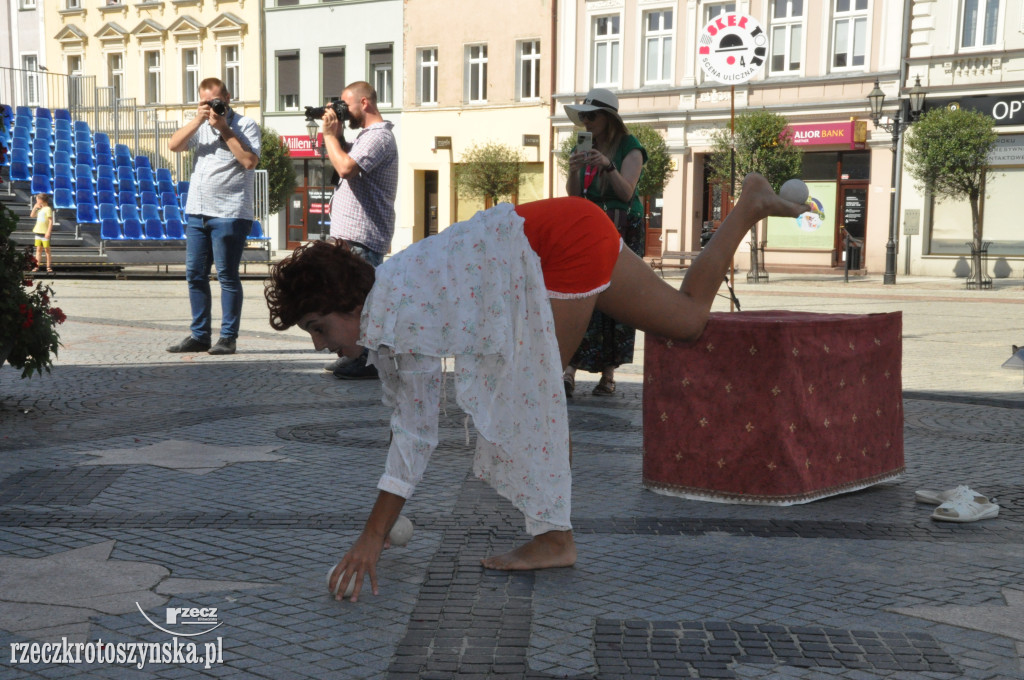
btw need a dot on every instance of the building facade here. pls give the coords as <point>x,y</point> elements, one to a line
<point>24,56</point>
<point>821,62</point>
<point>483,78</point>
<point>969,53</point>
<point>314,49</point>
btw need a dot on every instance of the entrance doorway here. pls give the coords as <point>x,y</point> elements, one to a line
<point>429,202</point>
<point>852,212</point>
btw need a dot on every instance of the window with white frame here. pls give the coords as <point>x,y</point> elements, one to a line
<point>658,33</point>
<point>426,75</point>
<point>72,4</point>
<point>607,48</point>
<point>27,4</point>
<point>153,76</point>
<point>715,9</point>
<point>981,23</point>
<point>787,31</point>
<point>288,80</point>
<point>382,69</point>
<point>528,70</point>
<point>231,70</point>
<point>849,33</point>
<point>190,75</point>
<point>76,88</point>
<point>30,79</point>
<point>332,70</point>
<point>476,74</point>
<point>115,73</point>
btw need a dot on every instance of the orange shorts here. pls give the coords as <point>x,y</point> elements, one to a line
<point>576,242</point>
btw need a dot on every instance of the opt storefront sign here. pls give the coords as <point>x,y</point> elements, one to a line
<point>732,48</point>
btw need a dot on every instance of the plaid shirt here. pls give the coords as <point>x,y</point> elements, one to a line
<point>220,186</point>
<point>363,208</point>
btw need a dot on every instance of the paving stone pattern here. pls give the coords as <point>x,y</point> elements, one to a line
<point>95,494</point>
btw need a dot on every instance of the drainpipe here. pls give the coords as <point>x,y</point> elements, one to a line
<point>908,6</point>
<point>551,163</point>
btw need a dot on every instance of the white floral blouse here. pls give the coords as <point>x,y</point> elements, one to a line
<point>474,292</point>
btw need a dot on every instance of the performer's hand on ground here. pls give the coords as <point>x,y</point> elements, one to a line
<point>360,560</point>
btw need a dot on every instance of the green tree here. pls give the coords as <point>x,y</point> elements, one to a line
<point>489,171</point>
<point>763,143</point>
<point>275,160</point>
<point>947,154</point>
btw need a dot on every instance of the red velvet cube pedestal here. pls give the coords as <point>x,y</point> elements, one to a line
<point>775,407</point>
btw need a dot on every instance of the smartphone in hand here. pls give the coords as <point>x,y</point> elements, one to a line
<point>584,142</point>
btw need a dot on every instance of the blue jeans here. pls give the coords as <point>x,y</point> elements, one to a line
<point>220,241</point>
<point>371,256</point>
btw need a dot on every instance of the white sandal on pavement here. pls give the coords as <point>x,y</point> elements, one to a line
<point>963,509</point>
<point>940,497</point>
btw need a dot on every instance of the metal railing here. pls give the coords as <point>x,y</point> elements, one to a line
<point>121,118</point>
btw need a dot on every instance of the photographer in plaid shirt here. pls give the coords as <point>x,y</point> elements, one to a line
<point>363,205</point>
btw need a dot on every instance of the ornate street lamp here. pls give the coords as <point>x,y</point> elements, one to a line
<point>907,112</point>
<point>312,129</point>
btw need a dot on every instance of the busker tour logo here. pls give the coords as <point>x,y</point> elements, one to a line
<point>732,48</point>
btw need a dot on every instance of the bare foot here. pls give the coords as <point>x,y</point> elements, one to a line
<point>547,551</point>
<point>764,202</point>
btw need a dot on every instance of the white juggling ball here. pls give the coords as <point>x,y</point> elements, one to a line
<point>337,587</point>
<point>794,191</point>
<point>401,532</point>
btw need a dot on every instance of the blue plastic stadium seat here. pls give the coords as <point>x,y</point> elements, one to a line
<point>155,228</point>
<point>41,184</point>
<point>167,199</point>
<point>43,112</point>
<point>132,228</point>
<point>104,159</point>
<point>125,174</point>
<point>105,184</point>
<point>256,234</point>
<point>183,187</point>
<point>84,183</point>
<point>108,211</point>
<point>63,199</point>
<point>129,211</point>
<point>126,198</point>
<point>147,185</point>
<point>19,155</point>
<point>84,197</point>
<point>86,212</point>
<point>163,174</point>
<point>62,182</point>
<point>42,168</point>
<point>171,212</point>
<point>150,212</point>
<point>62,170</point>
<point>84,159</point>
<point>142,162</point>
<point>105,171</point>
<point>20,171</point>
<point>103,196</point>
<point>143,172</point>
<point>60,156</point>
<point>148,198</point>
<point>80,125</point>
<point>173,228</point>
<point>110,230</point>
<point>83,170</point>
<point>61,114</point>
<point>165,186</point>
<point>23,111</point>
<point>102,147</point>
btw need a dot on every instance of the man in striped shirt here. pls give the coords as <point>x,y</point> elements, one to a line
<point>363,205</point>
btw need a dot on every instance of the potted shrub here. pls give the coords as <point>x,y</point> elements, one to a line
<point>28,322</point>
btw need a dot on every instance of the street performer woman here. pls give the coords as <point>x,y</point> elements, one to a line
<point>508,294</point>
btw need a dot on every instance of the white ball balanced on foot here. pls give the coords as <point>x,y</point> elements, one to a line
<point>337,587</point>
<point>794,191</point>
<point>401,532</point>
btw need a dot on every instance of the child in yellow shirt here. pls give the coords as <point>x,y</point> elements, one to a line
<point>43,212</point>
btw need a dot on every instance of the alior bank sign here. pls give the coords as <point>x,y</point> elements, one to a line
<point>853,132</point>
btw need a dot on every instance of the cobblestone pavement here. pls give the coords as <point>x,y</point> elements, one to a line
<point>136,483</point>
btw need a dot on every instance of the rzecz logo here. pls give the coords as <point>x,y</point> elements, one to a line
<point>732,48</point>
<point>187,618</point>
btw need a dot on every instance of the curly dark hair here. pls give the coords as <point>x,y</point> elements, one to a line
<point>317,278</point>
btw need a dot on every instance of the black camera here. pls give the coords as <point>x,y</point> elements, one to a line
<point>339,107</point>
<point>218,105</point>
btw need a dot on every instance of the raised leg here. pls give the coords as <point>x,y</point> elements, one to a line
<point>639,298</point>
